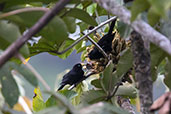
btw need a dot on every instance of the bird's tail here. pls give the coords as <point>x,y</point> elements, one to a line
<point>61,87</point>
<point>112,26</point>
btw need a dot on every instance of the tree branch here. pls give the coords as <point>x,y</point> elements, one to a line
<point>76,42</point>
<point>3,15</point>
<point>97,46</point>
<point>142,65</point>
<point>138,25</point>
<point>14,47</point>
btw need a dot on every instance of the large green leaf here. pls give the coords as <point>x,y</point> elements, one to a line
<point>157,55</point>
<point>153,18</point>
<point>127,90</point>
<point>96,83</point>
<point>26,73</point>
<point>138,7</point>
<point>102,108</point>
<point>56,30</point>
<point>125,62</point>
<point>9,86</point>
<point>93,96</point>
<point>123,29</point>
<point>9,32</point>
<point>82,15</point>
<point>108,80</point>
<point>70,23</point>
<point>79,89</point>
<point>160,7</point>
<point>38,103</point>
<point>167,79</point>
<point>52,110</point>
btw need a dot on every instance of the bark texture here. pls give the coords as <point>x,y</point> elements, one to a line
<point>142,72</point>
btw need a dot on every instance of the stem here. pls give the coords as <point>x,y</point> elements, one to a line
<point>36,74</point>
<point>76,42</point>
<point>22,11</point>
<point>97,46</point>
<point>43,21</point>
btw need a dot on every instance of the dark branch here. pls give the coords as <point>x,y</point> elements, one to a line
<point>14,47</point>
<point>142,72</point>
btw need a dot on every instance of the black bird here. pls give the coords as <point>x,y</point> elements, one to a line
<point>73,76</point>
<point>105,43</point>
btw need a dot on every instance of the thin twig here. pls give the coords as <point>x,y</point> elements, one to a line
<point>36,74</point>
<point>84,78</point>
<point>97,46</point>
<point>14,47</point>
<point>3,15</point>
<point>76,42</point>
<point>138,25</point>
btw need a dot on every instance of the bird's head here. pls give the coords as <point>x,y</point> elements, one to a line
<point>77,66</point>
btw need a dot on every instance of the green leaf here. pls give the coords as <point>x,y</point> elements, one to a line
<point>167,79</point>
<point>102,108</point>
<point>127,90</point>
<point>70,23</point>
<point>157,55</point>
<point>79,90</point>
<point>68,94</point>
<point>43,45</point>
<point>125,62</point>
<point>52,110</point>
<point>26,73</point>
<point>38,103</point>
<point>9,33</point>
<point>96,83</point>
<point>93,96</point>
<point>91,8</point>
<point>166,25</point>
<point>65,45</point>
<point>160,7</point>
<point>9,89</point>
<point>56,30</point>
<point>101,11</point>
<point>153,18</point>
<point>82,15</point>
<point>123,29</point>
<point>138,7</point>
<point>83,26</point>
<point>108,80</point>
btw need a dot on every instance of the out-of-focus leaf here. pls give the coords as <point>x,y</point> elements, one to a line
<point>166,26</point>
<point>91,8</point>
<point>123,29</point>
<point>26,73</point>
<point>160,7</point>
<point>9,32</point>
<point>70,23</point>
<point>153,18</point>
<point>52,110</point>
<point>68,94</point>
<point>79,90</point>
<point>157,55</point>
<point>82,15</point>
<point>125,62</point>
<point>101,11</point>
<point>108,80</point>
<point>56,30</point>
<point>127,90</point>
<point>83,55</point>
<point>38,103</point>
<point>93,96</point>
<point>44,45</point>
<point>102,108</point>
<point>65,45</point>
<point>96,83</point>
<point>9,89</point>
<point>167,79</point>
<point>138,7</point>
<point>83,26</point>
